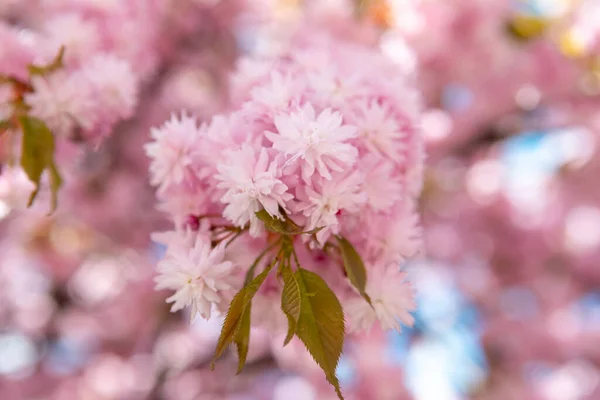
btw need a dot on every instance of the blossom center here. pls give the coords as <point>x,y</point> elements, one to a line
<point>313,137</point>
<point>329,208</point>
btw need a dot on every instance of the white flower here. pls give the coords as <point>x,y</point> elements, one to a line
<point>392,298</point>
<point>251,183</point>
<point>322,204</point>
<point>319,142</point>
<point>172,150</point>
<point>197,273</point>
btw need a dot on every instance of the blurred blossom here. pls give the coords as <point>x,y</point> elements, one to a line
<point>582,229</point>
<point>573,381</point>
<point>484,180</point>
<point>97,280</point>
<point>294,388</point>
<point>507,286</point>
<point>436,125</point>
<point>65,356</point>
<point>17,354</point>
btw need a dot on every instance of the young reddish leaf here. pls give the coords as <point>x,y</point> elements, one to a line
<point>354,266</point>
<point>320,324</point>
<point>235,315</point>
<point>290,301</point>
<point>37,151</point>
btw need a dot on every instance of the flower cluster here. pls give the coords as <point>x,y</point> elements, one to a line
<point>320,159</point>
<point>70,79</point>
<point>95,86</point>
<point>87,102</point>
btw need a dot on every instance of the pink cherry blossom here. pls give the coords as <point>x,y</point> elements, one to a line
<point>391,297</point>
<point>315,142</point>
<point>172,150</point>
<point>251,183</point>
<point>61,100</point>
<point>322,204</point>
<point>197,273</point>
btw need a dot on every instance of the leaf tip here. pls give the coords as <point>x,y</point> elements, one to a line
<point>288,339</point>
<point>338,391</point>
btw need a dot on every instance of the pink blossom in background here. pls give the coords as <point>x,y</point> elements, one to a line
<point>166,111</point>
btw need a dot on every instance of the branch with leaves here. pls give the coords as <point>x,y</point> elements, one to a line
<point>309,188</point>
<point>313,311</point>
<point>38,141</point>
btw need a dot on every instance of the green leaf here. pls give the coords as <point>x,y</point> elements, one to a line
<point>290,302</point>
<point>234,320</point>
<point>276,225</point>
<point>55,184</point>
<point>360,7</point>
<point>54,65</point>
<point>37,153</point>
<point>525,28</point>
<point>5,79</point>
<point>285,226</point>
<point>313,231</point>
<point>354,266</point>
<point>230,324</point>
<point>320,323</point>
<point>241,338</point>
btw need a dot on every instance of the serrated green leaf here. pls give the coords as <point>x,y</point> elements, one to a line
<point>237,308</point>
<point>37,151</point>
<point>321,324</point>
<point>54,65</point>
<point>354,266</point>
<point>241,337</point>
<point>290,301</point>
<point>230,324</point>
